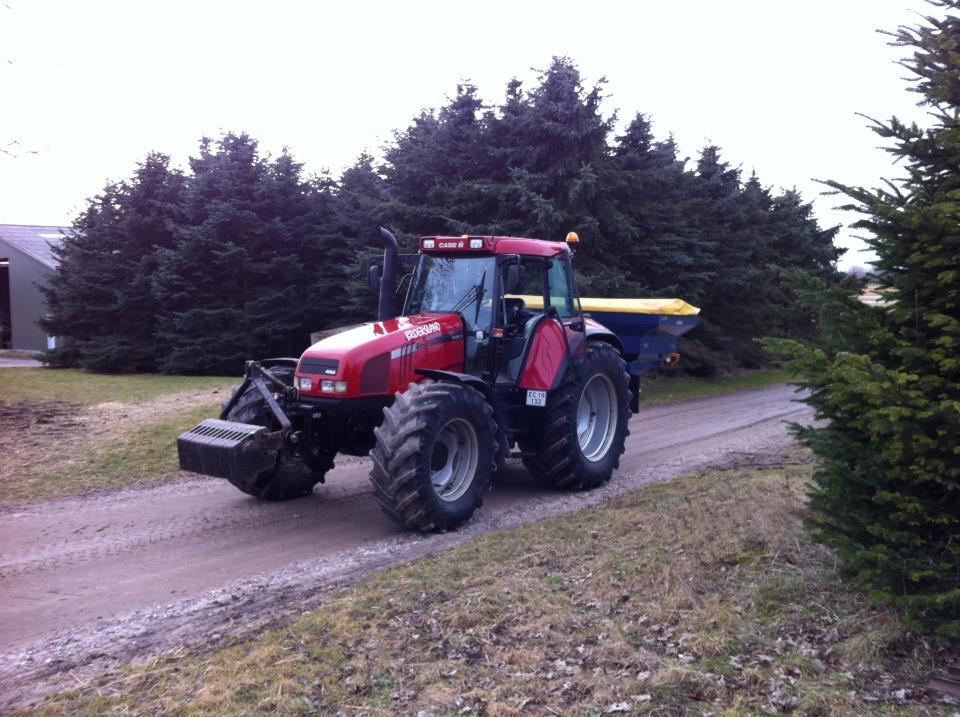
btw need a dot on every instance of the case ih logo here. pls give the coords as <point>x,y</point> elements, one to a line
<point>425,330</point>
<point>450,245</point>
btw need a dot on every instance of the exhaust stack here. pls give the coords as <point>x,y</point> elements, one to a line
<point>388,282</point>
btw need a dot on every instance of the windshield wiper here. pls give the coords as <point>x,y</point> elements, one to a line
<point>481,290</point>
<point>473,294</point>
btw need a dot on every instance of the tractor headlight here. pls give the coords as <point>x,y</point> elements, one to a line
<point>429,243</point>
<point>330,386</point>
<point>305,383</point>
<point>476,243</point>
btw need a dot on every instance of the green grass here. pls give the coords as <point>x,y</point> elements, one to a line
<point>76,386</point>
<point>662,390</point>
<point>699,595</point>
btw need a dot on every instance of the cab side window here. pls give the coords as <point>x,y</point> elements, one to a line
<point>560,285</point>
<point>532,284</point>
<point>533,278</point>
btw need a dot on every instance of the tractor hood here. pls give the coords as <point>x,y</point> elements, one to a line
<point>381,358</point>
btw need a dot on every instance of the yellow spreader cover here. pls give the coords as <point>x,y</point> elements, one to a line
<point>670,307</point>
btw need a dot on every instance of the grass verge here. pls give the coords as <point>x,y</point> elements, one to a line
<point>698,596</point>
<point>77,386</point>
<point>65,432</point>
<point>660,390</point>
<point>145,453</point>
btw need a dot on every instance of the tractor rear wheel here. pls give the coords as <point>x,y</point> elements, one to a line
<point>290,477</point>
<point>578,443</point>
<point>434,456</point>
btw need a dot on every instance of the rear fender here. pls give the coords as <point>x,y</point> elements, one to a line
<point>597,332</point>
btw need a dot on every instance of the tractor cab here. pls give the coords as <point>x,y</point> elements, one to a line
<point>503,288</point>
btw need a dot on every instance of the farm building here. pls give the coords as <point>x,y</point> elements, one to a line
<point>26,260</point>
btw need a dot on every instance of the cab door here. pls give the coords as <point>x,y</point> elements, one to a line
<point>558,337</point>
<point>562,297</point>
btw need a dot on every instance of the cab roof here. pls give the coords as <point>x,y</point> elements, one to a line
<point>490,245</point>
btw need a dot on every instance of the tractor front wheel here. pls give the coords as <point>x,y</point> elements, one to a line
<point>578,441</point>
<point>434,456</point>
<point>290,477</point>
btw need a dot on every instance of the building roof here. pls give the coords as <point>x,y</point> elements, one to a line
<point>35,241</point>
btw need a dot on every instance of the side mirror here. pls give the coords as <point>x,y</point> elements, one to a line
<point>373,277</point>
<point>514,279</point>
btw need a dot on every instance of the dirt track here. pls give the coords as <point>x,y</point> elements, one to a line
<point>90,582</point>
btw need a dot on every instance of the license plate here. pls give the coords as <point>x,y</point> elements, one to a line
<point>536,398</point>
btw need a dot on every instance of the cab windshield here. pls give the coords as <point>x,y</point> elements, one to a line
<point>462,285</point>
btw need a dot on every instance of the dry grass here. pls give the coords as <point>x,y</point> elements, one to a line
<point>73,386</point>
<point>701,596</point>
<point>69,432</point>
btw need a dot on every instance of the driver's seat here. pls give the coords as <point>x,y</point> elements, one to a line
<point>512,306</point>
<point>515,365</point>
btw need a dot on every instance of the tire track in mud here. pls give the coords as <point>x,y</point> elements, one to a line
<point>111,541</point>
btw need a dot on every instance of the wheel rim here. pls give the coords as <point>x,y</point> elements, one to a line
<point>453,462</point>
<point>597,417</point>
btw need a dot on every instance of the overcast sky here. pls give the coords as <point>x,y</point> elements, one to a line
<point>88,88</point>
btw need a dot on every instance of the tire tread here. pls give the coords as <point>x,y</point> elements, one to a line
<point>397,475</point>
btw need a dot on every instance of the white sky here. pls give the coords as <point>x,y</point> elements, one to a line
<point>88,88</point>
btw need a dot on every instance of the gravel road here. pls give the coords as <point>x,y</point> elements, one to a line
<point>88,583</point>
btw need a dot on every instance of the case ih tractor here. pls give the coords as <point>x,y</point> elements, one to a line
<point>491,356</point>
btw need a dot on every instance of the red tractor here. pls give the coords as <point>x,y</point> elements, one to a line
<point>492,352</point>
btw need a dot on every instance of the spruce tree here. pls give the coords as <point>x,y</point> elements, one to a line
<point>231,287</point>
<point>649,193</point>
<point>100,298</point>
<point>360,206</point>
<point>543,163</point>
<point>886,381</point>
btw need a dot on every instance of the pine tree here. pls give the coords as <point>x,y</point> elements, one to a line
<point>542,163</point>
<point>886,381</point>
<point>795,241</point>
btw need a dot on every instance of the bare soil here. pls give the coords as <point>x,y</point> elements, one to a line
<point>30,430</point>
<point>90,584</point>
<point>48,437</point>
